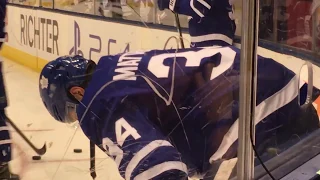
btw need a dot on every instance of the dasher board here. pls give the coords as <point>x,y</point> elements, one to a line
<point>302,158</point>
<point>307,171</point>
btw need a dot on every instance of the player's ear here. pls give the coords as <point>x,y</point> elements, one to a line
<point>77,92</point>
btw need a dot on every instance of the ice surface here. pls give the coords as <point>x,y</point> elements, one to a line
<point>29,114</point>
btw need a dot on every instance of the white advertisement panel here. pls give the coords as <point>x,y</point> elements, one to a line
<point>47,35</point>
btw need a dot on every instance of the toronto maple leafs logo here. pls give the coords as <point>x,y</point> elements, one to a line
<point>44,82</point>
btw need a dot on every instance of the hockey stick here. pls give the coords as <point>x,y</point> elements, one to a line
<point>92,160</point>
<point>40,151</point>
<point>179,29</point>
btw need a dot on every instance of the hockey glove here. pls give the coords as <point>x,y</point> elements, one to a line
<point>194,8</point>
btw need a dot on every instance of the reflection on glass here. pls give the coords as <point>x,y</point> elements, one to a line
<point>315,27</point>
<point>266,19</point>
<point>166,17</point>
<point>299,24</point>
<point>237,6</point>
<point>47,3</point>
<point>142,10</point>
<point>290,22</point>
<point>81,6</point>
<point>285,139</point>
<point>25,2</point>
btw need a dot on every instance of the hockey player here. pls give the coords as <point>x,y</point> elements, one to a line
<point>211,22</point>
<point>168,114</point>
<point>5,141</point>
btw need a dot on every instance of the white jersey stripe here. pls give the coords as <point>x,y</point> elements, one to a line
<point>5,142</point>
<point>134,162</point>
<point>211,37</point>
<point>4,128</point>
<point>265,108</point>
<point>160,168</point>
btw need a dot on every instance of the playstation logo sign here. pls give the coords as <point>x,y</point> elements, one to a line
<point>75,50</point>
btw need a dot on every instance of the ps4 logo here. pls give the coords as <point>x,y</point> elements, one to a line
<point>77,41</point>
<point>93,40</point>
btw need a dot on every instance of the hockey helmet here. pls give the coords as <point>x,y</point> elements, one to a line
<point>56,79</point>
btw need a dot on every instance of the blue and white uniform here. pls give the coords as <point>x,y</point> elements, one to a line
<point>163,114</point>
<point>211,21</point>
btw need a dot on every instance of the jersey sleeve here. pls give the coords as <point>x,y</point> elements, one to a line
<point>140,150</point>
<point>195,8</point>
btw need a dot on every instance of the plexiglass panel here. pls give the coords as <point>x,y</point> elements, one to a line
<point>25,2</point>
<point>81,6</point>
<point>142,10</point>
<point>288,83</point>
<point>175,105</point>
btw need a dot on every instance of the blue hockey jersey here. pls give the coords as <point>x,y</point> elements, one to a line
<point>211,23</point>
<point>3,11</point>
<point>163,114</point>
